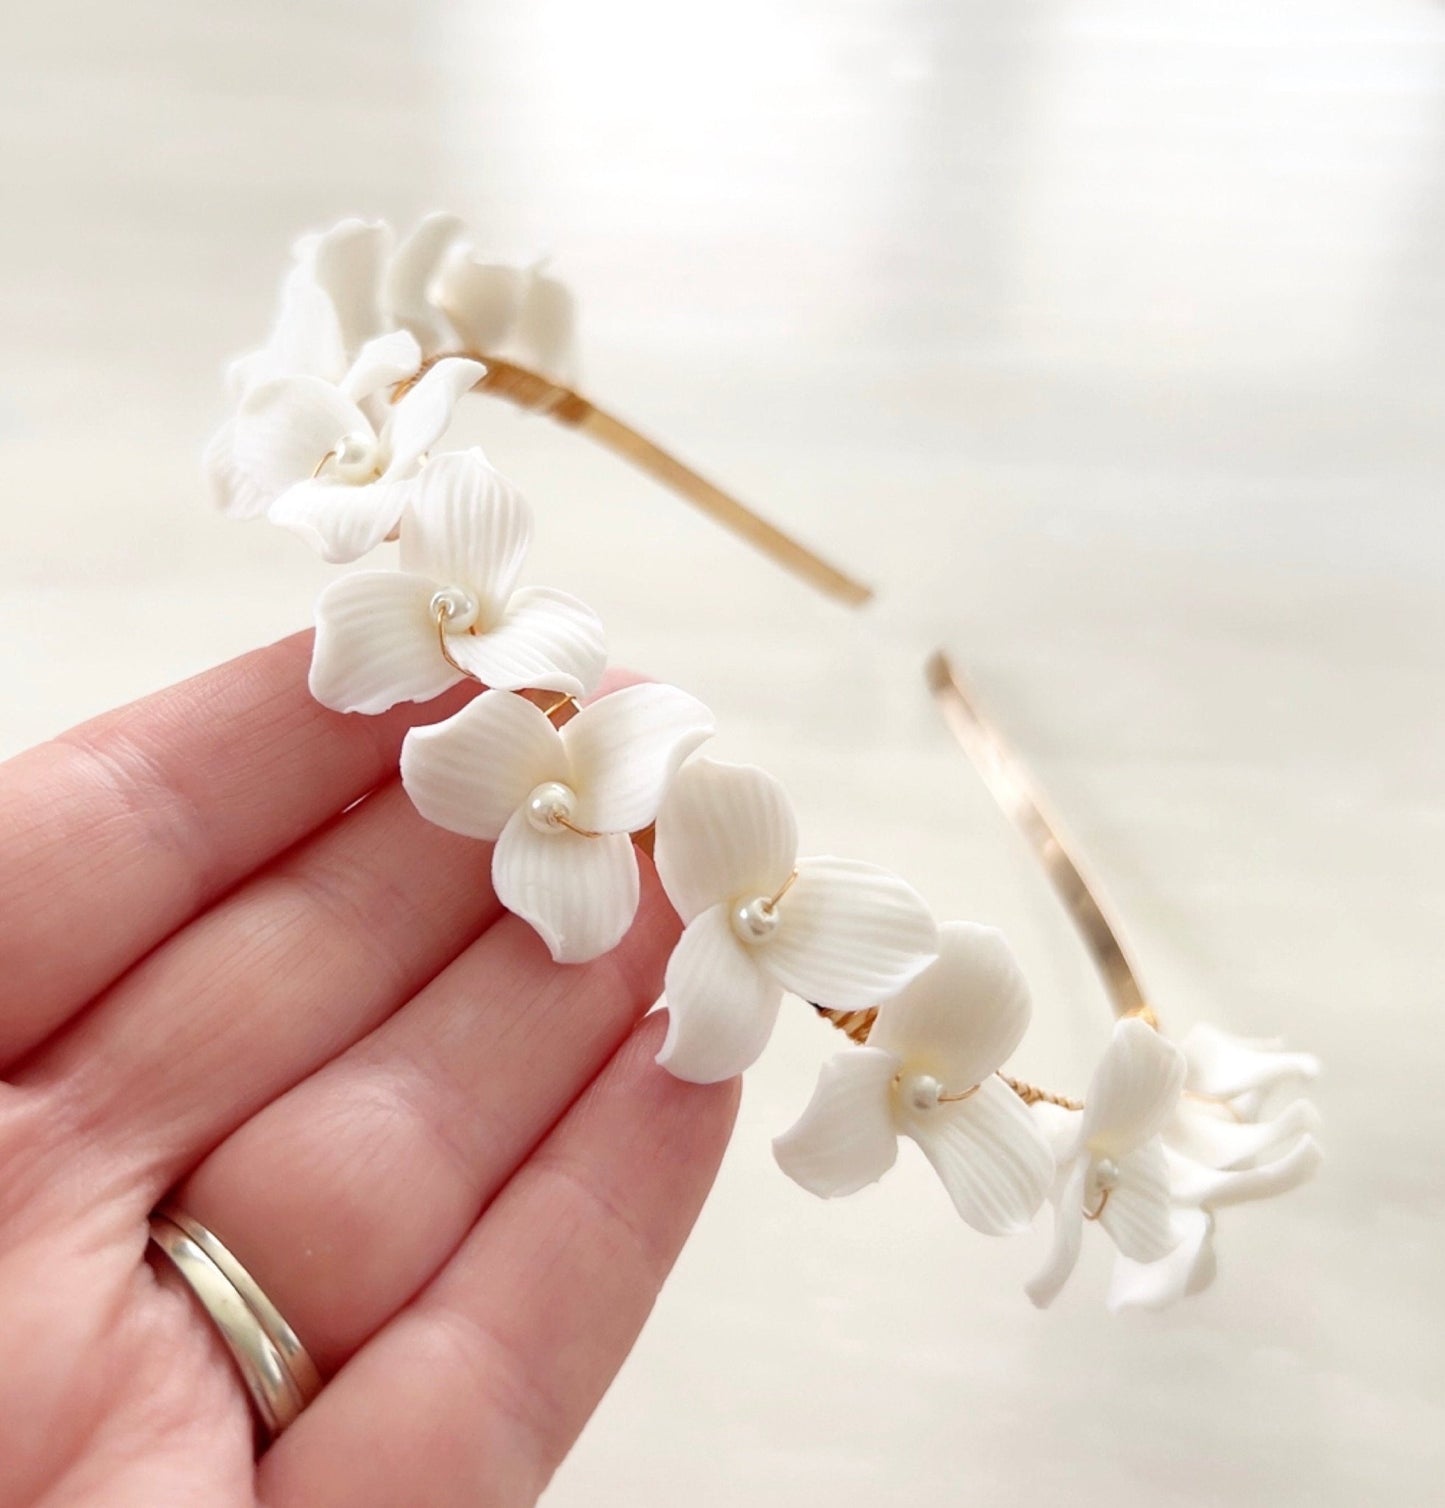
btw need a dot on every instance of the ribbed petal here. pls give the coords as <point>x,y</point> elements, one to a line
<point>1044,1287</point>
<point>382,363</point>
<point>469,527</point>
<point>339,521</point>
<point>1137,1211</point>
<point>846,1138</point>
<point>1225,1066</point>
<point>233,492</point>
<point>375,643</point>
<point>475,770</point>
<point>625,750</point>
<point>990,1155</point>
<point>546,331</point>
<point>1219,1141</point>
<point>287,427</point>
<point>1059,1128</point>
<point>548,640</point>
<point>1134,1090</point>
<point>579,893</point>
<point>1187,1270</point>
<point>724,831</point>
<point>850,934</point>
<point>421,416</point>
<point>349,259</point>
<point>960,1019</point>
<point>721,1006</point>
<point>407,287</point>
<point>1193,1183</point>
<point>482,300</point>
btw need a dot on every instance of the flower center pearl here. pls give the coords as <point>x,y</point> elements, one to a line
<point>356,458</point>
<point>550,806</point>
<point>756,920</point>
<point>922,1091</point>
<point>456,607</point>
<point>1106,1174</point>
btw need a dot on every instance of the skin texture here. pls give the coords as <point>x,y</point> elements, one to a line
<point>234,961</point>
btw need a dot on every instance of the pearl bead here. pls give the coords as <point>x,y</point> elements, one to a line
<point>549,804</point>
<point>923,1091</point>
<point>457,607</point>
<point>1106,1174</point>
<point>355,457</point>
<point>756,920</point>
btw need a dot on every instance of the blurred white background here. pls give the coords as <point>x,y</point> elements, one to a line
<point>1108,339</point>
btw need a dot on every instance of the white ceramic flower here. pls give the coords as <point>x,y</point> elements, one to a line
<point>559,804</point>
<point>929,1071</point>
<point>311,456</point>
<point>760,920</point>
<point>463,539</point>
<point>1112,1167</point>
<point>1239,1071</point>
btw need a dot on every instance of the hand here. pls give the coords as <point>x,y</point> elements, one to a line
<point>452,1164</point>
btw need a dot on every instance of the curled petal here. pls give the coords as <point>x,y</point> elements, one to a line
<point>851,934</point>
<point>1134,1090</point>
<point>1225,1066</point>
<point>964,1014</point>
<point>725,830</point>
<point>482,300</point>
<point>1187,1270</point>
<point>474,771</point>
<point>407,287</point>
<point>625,750</point>
<point>382,363</point>
<point>467,526</point>
<point>579,893</point>
<point>846,1138</point>
<point>721,1006</point>
<point>1219,1141</point>
<point>348,260</point>
<point>421,416</point>
<point>547,640</point>
<point>1138,1211</point>
<point>232,491</point>
<point>1044,1287</point>
<point>991,1156</point>
<point>285,428</point>
<point>1060,1130</point>
<point>375,644</point>
<point>1213,1189</point>
<point>304,342</point>
<point>546,331</point>
<point>339,521</point>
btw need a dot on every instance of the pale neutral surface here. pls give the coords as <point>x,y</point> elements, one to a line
<point>1109,339</point>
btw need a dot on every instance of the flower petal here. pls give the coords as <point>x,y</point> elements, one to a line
<point>1137,1213</point>
<point>421,416</point>
<point>1193,1183</point>
<point>548,641</point>
<point>474,771</point>
<point>579,893</point>
<point>482,300</point>
<point>546,330</point>
<point>285,428</point>
<point>375,643</point>
<point>625,750</point>
<point>962,1017</point>
<point>349,259</point>
<point>233,492</point>
<point>1215,1138</point>
<point>382,363</point>
<point>724,830</point>
<point>1187,1270</point>
<point>1134,1090</point>
<point>846,1138</point>
<point>304,342</point>
<point>1045,1285</point>
<point>1224,1066</point>
<point>407,286</point>
<point>990,1154</point>
<point>721,1006</point>
<point>850,934</point>
<point>467,526</point>
<point>339,521</point>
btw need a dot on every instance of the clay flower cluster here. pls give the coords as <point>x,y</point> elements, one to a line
<point>337,434</point>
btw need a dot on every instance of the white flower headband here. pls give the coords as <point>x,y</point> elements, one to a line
<point>335,436</point>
